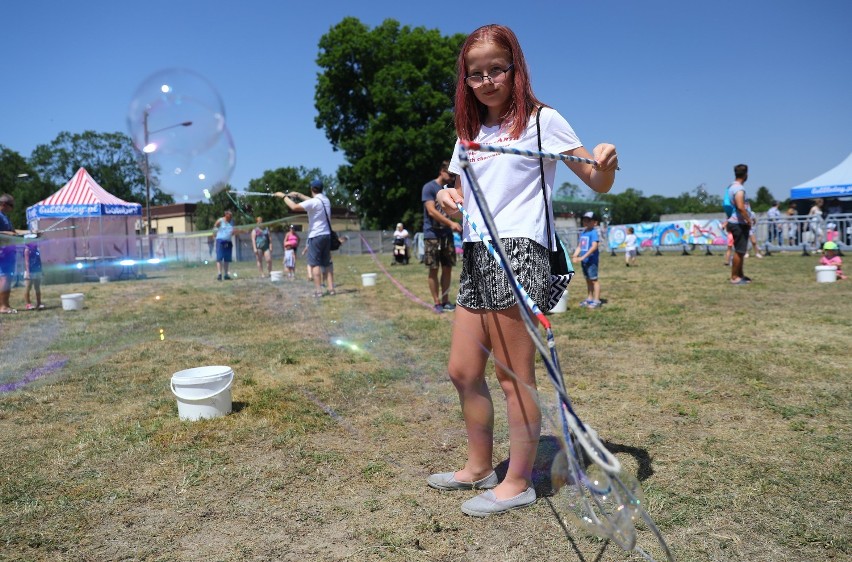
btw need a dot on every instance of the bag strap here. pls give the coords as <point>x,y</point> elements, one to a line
<point>328,220</point>
<point>543,185</point>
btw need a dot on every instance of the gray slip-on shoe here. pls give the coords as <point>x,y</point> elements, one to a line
<point>486,503</point>
<point>447,481</point>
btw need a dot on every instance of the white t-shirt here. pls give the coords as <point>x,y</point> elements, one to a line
<point>630,242</point>
<point>317,206</point>
<point>512,184</point>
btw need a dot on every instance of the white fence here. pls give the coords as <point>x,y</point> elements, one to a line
<point>789,233</point>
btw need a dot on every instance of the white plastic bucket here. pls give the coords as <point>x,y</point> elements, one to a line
<point>203,392</point>
<point>368,279</point>
<point>72,301</point>
<point>276,276</point>
<point>826,273</point>
<point>562,305</point>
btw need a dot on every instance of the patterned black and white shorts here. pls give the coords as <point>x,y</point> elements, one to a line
<point>483,284</point>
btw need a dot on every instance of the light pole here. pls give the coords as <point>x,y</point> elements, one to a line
<point>147,149</point>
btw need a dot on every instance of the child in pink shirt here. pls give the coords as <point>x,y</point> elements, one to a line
<point>830,257</point>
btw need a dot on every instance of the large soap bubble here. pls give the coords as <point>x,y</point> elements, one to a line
<point>193,177</point>
<point>177,119</point>
<point>175,110</point>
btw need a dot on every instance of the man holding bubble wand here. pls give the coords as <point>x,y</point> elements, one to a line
<point>318,208</point>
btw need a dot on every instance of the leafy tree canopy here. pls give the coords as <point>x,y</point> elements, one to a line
<point>384,97</point>
<point>20,180</point>
<point>631,206</point>
<point>110,158</point>
<point>570,192</point>
<point>763,200</point>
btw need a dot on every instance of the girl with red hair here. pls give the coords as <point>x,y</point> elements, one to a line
<point>495,105</point>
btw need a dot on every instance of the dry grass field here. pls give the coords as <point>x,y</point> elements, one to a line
<point>731,404</point>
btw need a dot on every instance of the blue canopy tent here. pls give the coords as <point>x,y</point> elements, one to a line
<point>84,205</point>
<point>836,182</point>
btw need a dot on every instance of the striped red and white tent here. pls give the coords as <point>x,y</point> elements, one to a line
<point>82,197</point>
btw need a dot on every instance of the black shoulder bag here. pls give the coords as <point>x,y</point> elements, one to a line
<point>561,271</point>
<point>335,239</point>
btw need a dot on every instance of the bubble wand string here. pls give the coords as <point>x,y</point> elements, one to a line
<point>38,233</point>
<point>469,145</point>
<point>252,193</point>
<point>614,524</point>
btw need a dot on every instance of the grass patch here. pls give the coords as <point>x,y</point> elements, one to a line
<point>737,399</point>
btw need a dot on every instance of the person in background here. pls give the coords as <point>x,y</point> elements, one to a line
<point>318,208</point>
<point>494,102</point>
<point>224,228</point>
<point>32,276</point>
<point>791,226</point>
<point>752,237</point>
<point>262,246</point>
<point>830,257</point>
<point>739,224</point>
<point>831,234</point>
<point>587,254</point>
<point>630,248</point>
<point>729,244</point>
<point>774,217</point>
<point>291,244</point>
<point>440,250</point>
<point>834,207</point>
<point>815,220</point>
<point>401,250</point>
<point>8,254</point>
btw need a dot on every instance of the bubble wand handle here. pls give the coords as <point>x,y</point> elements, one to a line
<point>469,145</point>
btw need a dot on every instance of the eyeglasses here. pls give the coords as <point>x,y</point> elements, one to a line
<point>496,75</point>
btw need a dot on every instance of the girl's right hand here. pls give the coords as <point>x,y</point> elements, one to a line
<point>448,199</point>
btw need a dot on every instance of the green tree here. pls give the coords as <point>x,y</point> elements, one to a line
<point>384,97</point>
<point>110,158</point>
<point>763,200</point>
<point>20,180</point>
<point>628,207</point>
<point>570,191</point>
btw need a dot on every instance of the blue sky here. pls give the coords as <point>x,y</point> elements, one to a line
<point>684,89</point>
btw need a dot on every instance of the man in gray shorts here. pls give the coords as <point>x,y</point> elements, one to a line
<point>318,208</point>
<point>438,246</point>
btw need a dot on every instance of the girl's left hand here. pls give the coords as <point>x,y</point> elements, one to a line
<point>606,157</point>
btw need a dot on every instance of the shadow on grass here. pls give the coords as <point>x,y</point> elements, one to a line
<point>548,448</point>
